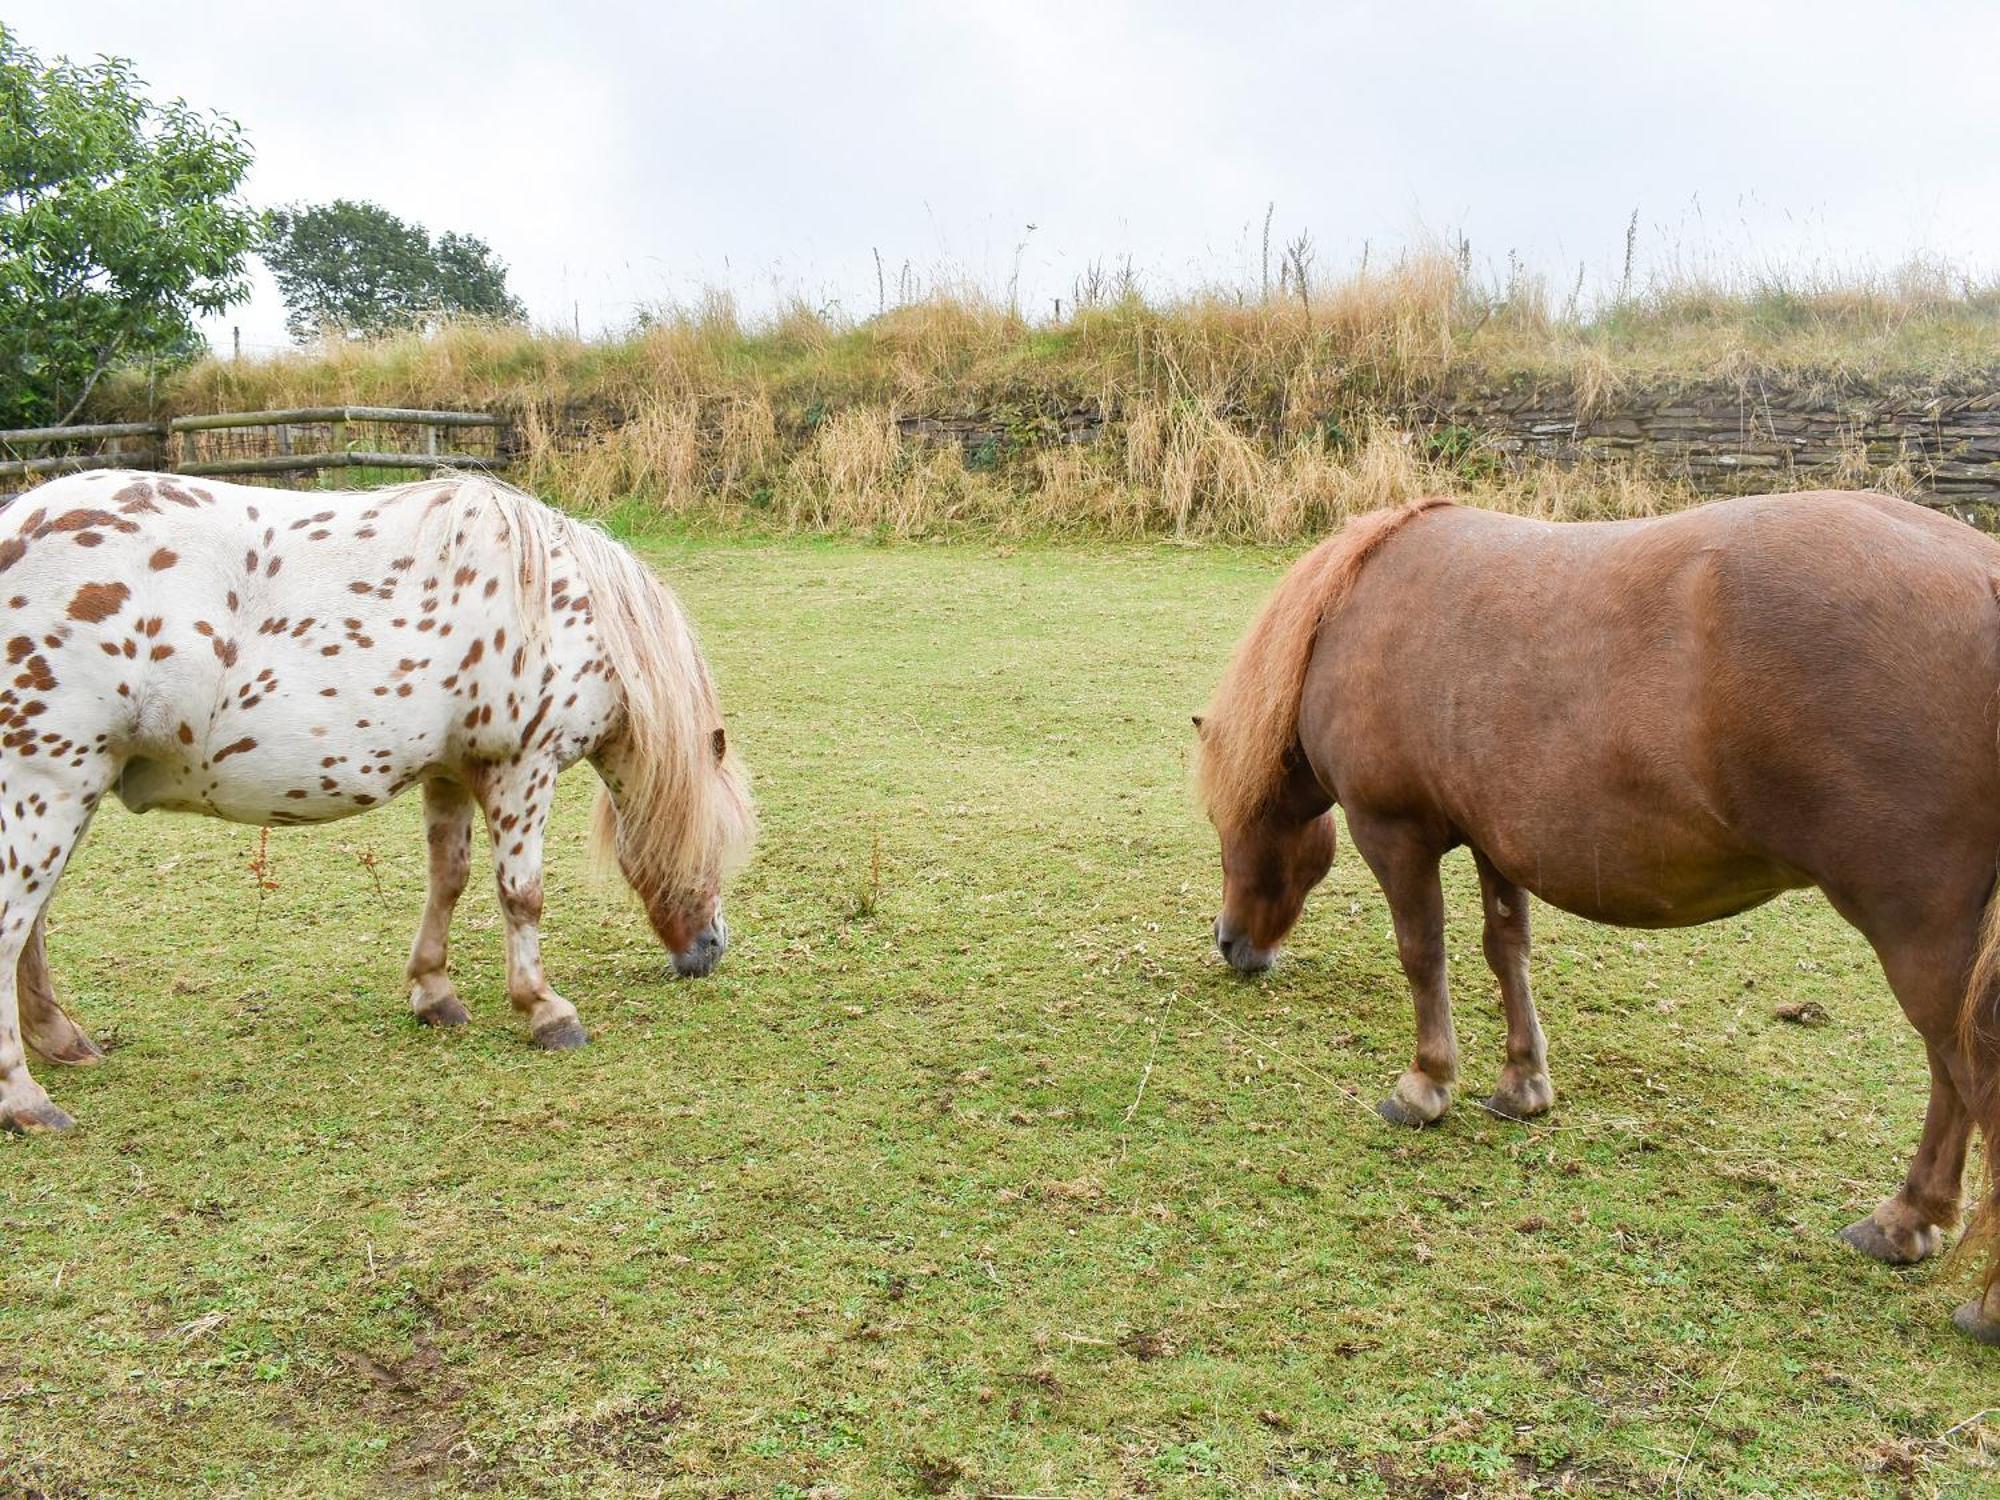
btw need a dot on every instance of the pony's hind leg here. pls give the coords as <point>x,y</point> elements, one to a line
<point>43,813</point>
<point>1525,1089</point>
<point>1910,1225</point>
<point>515,798</point>
<point>1926,962</point>
<point>1405,862</point>
<point>448,836</point>
<point>45,1026</point>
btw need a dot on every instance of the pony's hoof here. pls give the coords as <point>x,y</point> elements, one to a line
<point>449,1011</point>
<point>1524,1100</point>
<point>35,1119</point>
<point>81,1053</point>
<point>1875,1242</point>
<point>562,1036</point>
<point>1396,1112</point>
<point>1973,1321</point>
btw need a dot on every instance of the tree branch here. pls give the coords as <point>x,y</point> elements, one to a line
<point>88,386</point>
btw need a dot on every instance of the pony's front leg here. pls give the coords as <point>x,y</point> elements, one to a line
<point>515,798</point>
<point>448,836</point>
<point>1405,863</point>
<point>46,1027</point>
<point>1525,1089</point>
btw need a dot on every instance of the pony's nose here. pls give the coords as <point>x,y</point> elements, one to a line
<point>705,952</point>
<point>1238,951</point>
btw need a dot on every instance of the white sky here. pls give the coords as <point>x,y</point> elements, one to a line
<point>617,156</point>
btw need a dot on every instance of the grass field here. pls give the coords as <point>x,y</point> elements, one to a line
<point>972,1171</point>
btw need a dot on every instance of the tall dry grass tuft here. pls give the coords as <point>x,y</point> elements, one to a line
<point>857,473</point>
<point>655,456</point>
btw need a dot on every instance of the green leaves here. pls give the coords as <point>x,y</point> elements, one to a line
<point>357,268</point>
<point>119,225</point>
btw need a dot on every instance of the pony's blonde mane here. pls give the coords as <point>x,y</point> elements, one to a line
<point>681,821</point>
<point>1252,721</point>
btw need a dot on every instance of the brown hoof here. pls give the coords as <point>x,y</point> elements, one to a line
<point>447,1012</point>
<point>1972,1321</point>
<point>1396,1112</point>
<point>1512,1109</point>
<point>1874,1242</point>
<point>83,1053</point>
<point>562,1036</point>
<point>36,1119</point>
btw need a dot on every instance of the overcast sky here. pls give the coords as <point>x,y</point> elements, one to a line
<point>619,156</point>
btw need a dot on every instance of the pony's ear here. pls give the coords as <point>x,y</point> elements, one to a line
<point>1197,723</point>
<point>721,743</point>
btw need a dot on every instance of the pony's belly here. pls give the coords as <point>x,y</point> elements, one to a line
<point>152,785</point>
<point>1616,887</point>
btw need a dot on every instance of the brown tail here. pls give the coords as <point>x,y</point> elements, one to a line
<point>1979,1040</point>
<point>1253,718</point>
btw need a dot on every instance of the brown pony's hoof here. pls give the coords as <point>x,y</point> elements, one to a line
<point>1396,1112</point>
<point>449,1011</point>
<point>35,1119</point>
<point>562,1036</point>
<point>1875,1242</point>
<point>1972,1321</point>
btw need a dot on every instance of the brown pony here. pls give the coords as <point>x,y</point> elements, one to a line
<point>1653,723</point>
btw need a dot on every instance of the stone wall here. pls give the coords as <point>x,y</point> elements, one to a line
<point>1943,440</point>
<point>1939,440</point>
<point>1726,438</point>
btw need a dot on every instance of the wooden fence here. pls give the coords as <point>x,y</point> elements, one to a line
<point>176,445</point>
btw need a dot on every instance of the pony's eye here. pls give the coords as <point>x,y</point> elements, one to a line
<point>721,743</point>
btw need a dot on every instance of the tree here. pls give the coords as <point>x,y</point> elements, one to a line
<point>119,225</point>
<point>357,268</point>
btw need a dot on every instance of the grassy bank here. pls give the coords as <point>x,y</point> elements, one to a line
<point>972,1171</point>
<point>1263,415</point>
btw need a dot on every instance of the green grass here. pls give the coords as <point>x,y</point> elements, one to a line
<point>979,1176</point>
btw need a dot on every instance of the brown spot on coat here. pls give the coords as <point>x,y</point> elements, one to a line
<point>98,601</point>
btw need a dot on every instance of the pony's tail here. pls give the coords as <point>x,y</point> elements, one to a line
<point>1252,719</point>
<point>1979,1043</point>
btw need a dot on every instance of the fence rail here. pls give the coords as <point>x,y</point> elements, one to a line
<point>158,451</point>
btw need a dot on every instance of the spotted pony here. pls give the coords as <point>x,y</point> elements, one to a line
<point>278,658</point>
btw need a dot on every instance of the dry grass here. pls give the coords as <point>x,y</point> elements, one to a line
<point>1176,468</point>
<point>1229,415</point>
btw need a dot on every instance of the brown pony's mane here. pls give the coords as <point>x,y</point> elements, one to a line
<point>1252,720</point>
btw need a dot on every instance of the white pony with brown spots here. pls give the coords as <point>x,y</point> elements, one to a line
<point>273,657</point>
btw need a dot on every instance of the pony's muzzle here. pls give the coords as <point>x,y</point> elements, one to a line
<point>705,952</point>
<point>1242,955</point>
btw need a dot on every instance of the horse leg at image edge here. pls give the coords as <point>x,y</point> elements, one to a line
<point>43,812</point>
<point>515,798</point>
<point>1525,1089</point>
<point>448,836</point>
